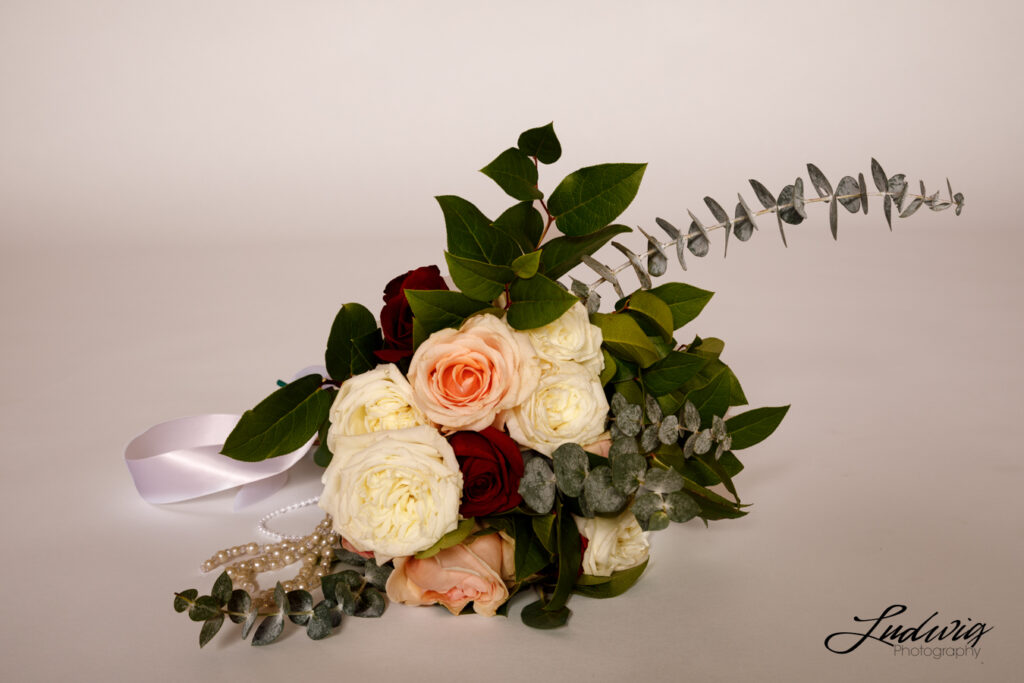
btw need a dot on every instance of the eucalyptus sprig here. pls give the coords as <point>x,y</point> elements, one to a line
<point>346,593</point>
<point>789,208</point>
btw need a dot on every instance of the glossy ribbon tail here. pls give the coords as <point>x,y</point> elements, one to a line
<point>180,460</point>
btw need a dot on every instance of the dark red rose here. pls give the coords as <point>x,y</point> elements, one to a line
<point>396,317</point>
<point>491,467</point>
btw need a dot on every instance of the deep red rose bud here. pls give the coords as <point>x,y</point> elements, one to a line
<point>396,316</point>
<point>491,467</point>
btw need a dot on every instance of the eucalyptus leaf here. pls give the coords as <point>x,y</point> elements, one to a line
<point>627,467</point>
<point>184,599</point>
<point>204,607</point>
<point>848,194</point>
<point>537,487</point>
<point>821,184</point>
<point>571,468</point>
<point>601,495</point>
<point>691,417</point>
<point>638,268</point>
<point>657,260</point>
<point>269,630</point>
<point>898,189</point>
<point>764,195</point>
<point>371,604</point>
<point>239,605</point>
<point>660,480</point>
<point>649,438</point>
<point>912,208</point>
<point>745,225</point>
<point>680,507</point>
<point>320,624</point>
<point>787,206</point>
<point>221,591</point>
<point>606,273</point>
<point>697,240</point>
<point>377,575</point>
<point>675,236</point>
<point>300,606</point>
<point>878,176</point>
<point>668,431</point>
<point>863,193</point>
<point>210,628</point>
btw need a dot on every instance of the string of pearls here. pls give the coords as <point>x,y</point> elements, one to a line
<point>315,551</point>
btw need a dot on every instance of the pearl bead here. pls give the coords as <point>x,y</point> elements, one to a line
<point>273,565</point>
<point>221,556</point>
<point>287,558</point>
<point>252,548</point>
<point>258,566</point>
<point>300,585</point>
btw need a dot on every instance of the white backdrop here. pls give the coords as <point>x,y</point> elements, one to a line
<point>189,190</point>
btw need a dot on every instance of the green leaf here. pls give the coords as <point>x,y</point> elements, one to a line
<point>610,586</point>
<point>712,505</point>
<point>711,399</point>
<point>280,423</point>
<point>323,455</point>
<point>523,224</point>
<point>269,630</point>
<point>476,279</point>
<point>562,254</point>
<point>624,338</point>
<point>526,266</point>
<point>515,174</point>
<point>535,615</point>
<point>544,528</point>
<point>671,372</point>
<point>684,301</point>
<point>537,302</point>
<point>222,588</point>
<point>436,309</point>
<point>530,555</point>
<point>569,558</point>
<point>541,143</point>
<point>184,599</point>
<point>210,628</point>
<point>354,336</point>
<point>610,370</point>
<point>653,309</point>
<point>709,460</point>
<point>592,197</point>
<point>754,426</point>
<point>471,234</point>
<point>452,538</point>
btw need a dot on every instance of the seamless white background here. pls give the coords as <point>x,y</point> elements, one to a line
<point>189,190</point>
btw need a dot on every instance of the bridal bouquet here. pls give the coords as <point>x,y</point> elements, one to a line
<point>504,435</point>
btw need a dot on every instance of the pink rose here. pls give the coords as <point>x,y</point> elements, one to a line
<point>462,379</point>
<point>474,572</point>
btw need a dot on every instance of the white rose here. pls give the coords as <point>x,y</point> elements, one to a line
<point>613,543</point>
<point>394,493</point>
<point>570,338</point>
<point>568,406</point>
<point>374,401</point>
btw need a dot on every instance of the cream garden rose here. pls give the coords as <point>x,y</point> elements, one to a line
<point>571,338</point>
<point>374,401</point>
<point>613,543</point>
<point>393,493</point>
<point>463,378</point>
<point>568,406</point>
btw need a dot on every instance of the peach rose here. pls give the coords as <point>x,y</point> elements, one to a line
<point>472,572</point>
<point>461,379</point>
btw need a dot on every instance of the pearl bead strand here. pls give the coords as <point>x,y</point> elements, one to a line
<point>315,552</point>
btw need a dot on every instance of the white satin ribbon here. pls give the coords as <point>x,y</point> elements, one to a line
<point>180,460</point>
